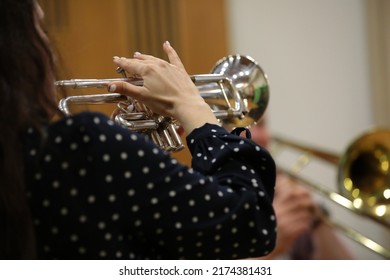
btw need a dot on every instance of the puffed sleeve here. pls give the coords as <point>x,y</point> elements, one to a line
<point>245,173</point>
<point>212,147</point>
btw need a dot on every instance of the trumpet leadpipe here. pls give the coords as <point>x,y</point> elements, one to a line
<point>95,83</point>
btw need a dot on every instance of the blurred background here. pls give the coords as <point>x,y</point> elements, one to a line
<point>328,63</point>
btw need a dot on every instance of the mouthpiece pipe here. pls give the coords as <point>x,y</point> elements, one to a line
<point>95,83</point>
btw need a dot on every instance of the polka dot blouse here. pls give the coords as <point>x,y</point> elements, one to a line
<point>100,191</point>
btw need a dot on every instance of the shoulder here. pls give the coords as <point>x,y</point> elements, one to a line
<point>94,128</point>
<point>84,121</point>
<point>86,126</point>
<point>83,118</point>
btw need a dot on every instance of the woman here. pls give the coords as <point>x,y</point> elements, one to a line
<point>82,187</point>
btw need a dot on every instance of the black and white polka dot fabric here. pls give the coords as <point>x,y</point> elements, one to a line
<point>100,191</point>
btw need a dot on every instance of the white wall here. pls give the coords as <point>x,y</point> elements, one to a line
<point>315,53</point>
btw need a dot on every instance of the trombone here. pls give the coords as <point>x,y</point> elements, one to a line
<point>363,179</point>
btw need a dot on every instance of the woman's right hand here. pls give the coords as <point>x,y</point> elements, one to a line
<point>167,90</point>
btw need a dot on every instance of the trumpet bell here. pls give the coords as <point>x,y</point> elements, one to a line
<point>252,84</point>
<point>364,173</point>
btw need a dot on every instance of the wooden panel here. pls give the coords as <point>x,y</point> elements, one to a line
<point>202,40</point>
<point>203,35</point>
<point>90,34</point>
<point>87,34</point>
<point>153,22</point>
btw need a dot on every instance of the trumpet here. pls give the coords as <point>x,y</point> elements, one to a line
<point>236,89</point>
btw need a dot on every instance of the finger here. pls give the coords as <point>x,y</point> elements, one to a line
<point>132,66</point>
<point>126,88</point>
<point>141,56</point>
<point>172,55</point>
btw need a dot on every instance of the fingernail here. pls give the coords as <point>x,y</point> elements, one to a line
<point>111,88</point>
<point>167,43</point>
<point>115,57</point>
<point>137,53</point>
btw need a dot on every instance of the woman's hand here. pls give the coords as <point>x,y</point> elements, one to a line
<point>167,88</point>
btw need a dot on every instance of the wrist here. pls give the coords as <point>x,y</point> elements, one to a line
<point>195,115</point>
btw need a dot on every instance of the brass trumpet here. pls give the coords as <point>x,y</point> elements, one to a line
<point>237,91</point>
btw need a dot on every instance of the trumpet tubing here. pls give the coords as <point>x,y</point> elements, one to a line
<point>237,91</point>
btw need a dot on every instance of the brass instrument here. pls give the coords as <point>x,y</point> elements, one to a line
<point>363,179</point>
<point>237,91</point>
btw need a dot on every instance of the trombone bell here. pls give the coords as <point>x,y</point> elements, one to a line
<point>364,173</point>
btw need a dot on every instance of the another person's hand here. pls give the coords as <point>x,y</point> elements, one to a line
<point>295,211</point>
<point>167,90</point>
